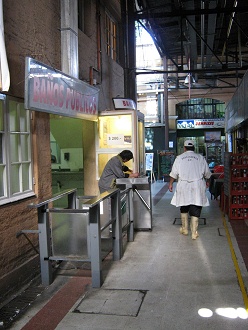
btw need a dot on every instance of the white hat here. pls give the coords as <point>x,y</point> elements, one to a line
<point>189,143</point>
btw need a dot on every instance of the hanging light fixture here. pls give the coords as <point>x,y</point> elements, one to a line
<point>189,79</point>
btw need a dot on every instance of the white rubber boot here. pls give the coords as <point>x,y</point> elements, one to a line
<point>184,228</point>
<point>194,227</point>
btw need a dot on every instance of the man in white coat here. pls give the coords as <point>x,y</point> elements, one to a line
<point>192,174</point>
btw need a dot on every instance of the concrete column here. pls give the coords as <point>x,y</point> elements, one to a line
<point>128,22</point>
<point>69,37</point>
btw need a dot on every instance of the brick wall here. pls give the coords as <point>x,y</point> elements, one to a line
<point>110,79</point>
<point>32,28</point>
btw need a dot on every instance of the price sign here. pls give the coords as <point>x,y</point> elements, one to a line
<point>115,139</point>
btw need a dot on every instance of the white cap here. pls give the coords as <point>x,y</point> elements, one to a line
<point>189,143</point>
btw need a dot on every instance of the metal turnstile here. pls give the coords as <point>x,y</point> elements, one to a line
<point>142,201</point>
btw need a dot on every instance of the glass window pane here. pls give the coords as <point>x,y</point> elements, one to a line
<point>1,116</point>
<point>24,147</point>
<point>15,179</point>
<point>111,36</point>
<point>25,177</point>
<point>203,108</point>
<point>13,118</point>
<point>14,138</point>
<point>208,111</point>
<point>23,118</point>
<point>2,181</point>
<point>191,112</point>
<point>16,170</point>
<point>1,148</point>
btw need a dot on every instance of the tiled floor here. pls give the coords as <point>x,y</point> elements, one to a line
<point>179,283</point>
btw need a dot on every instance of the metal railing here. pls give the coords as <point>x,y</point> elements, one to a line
<point>81,206</point>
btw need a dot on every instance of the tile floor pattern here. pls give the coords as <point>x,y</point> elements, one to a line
<point>188,284</point>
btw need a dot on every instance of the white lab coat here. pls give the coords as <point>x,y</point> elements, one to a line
<point>191,170</point>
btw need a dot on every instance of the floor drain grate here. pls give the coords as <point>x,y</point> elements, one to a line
<point>121,302</point>
<point>17,306</point>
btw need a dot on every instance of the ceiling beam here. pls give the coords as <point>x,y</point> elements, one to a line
<point>209,70</point>
<point>149,14</point>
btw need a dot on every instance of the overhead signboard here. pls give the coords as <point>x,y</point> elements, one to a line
<point>200,123</point>
<point>49,90</point>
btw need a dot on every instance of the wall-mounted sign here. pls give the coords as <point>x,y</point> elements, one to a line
<point>200,123</point>
<point>49,90</point>
<point>118,139</point>
<point>124,104</point>
<point>113,139</point>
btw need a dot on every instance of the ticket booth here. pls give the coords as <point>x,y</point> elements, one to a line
<point>119,130</point>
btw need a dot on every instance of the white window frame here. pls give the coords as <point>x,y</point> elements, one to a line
<point>111,36</point>
<point>22,135</point>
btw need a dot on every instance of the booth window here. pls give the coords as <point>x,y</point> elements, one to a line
<point>111,37</point>
<point>15,151</point>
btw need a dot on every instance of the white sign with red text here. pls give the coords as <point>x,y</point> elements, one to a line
<point>49,90</point>
<point>124,104</point>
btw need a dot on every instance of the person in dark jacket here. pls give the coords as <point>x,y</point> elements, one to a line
<point>115,169</point>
